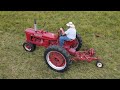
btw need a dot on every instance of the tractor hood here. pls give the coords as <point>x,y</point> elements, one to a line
<point>49,36</point>
<point>42,34</point>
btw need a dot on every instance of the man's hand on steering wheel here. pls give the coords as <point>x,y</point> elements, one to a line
<point>62,31</point>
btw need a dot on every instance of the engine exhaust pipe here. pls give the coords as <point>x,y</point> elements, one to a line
<point>35,25</point>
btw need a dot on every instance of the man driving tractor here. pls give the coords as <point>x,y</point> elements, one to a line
<point>67,35</point>
<point>58,58</point>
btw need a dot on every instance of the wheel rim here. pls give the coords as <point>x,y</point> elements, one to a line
<point>56,60</point>
<point>27,47</point>
<point>99,64</point>
<point>76,44</point>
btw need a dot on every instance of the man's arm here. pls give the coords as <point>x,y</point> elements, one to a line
<point>62,31</point>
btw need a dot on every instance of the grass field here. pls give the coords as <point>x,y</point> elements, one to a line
<point>16,63</point>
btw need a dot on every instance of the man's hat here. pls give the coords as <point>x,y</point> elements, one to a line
<point>70,24</point>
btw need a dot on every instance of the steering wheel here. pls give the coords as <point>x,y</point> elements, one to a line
<point>59,33</point>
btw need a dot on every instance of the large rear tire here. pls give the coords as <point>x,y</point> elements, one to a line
<point>78,43</point>
<point>57,58</point>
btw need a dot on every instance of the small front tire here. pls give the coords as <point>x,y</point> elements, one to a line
<point>29,46</point>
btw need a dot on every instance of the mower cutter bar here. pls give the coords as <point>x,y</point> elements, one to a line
<point>85,55</point>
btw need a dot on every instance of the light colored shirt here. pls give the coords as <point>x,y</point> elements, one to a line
<point>71,33</point>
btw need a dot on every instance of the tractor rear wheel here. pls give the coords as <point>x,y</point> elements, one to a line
<point>57,58</point>
<point>29,46</point>
<point>78,43</point>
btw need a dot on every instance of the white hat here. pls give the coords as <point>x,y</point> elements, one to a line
<point>70,24</point>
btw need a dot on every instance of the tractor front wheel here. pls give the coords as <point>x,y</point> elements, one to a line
<point>29,46</point>
<point>57,58</point>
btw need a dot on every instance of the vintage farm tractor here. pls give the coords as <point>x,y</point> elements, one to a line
<point>56,57</point>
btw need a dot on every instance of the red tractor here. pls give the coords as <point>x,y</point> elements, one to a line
<point>56,57</point>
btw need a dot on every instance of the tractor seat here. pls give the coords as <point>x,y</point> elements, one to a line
<point>71,40</point>
<point>69,43</point>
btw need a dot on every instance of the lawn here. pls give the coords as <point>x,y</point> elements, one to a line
<point>16,63</point>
